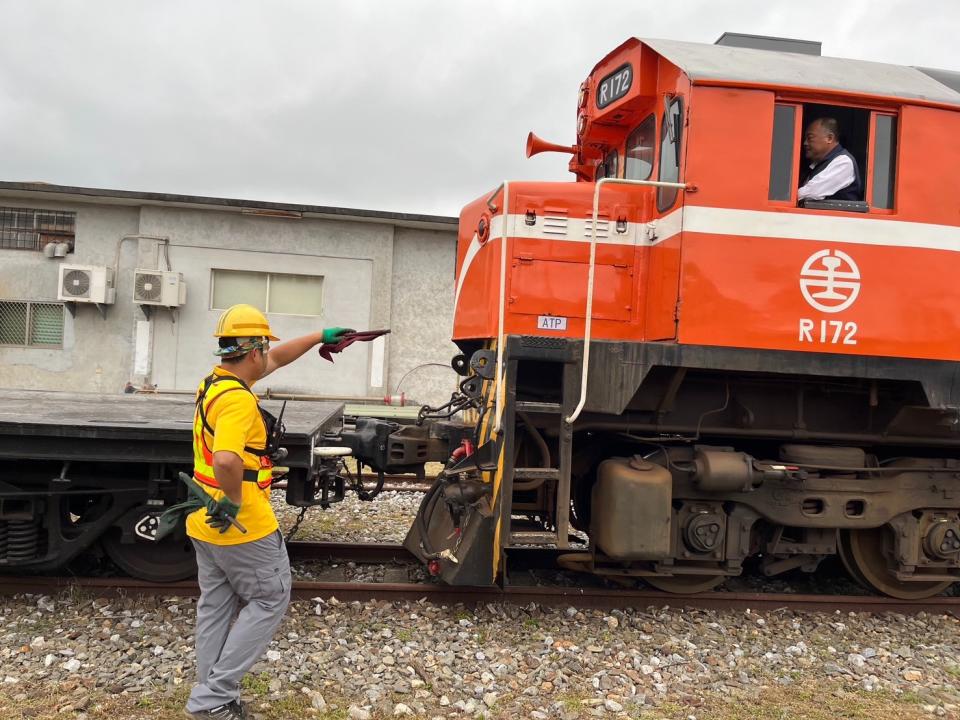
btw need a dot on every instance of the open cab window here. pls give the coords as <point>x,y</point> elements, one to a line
<point>868,135</point>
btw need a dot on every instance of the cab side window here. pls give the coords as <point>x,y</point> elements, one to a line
<point>670,153</point>
<point>808,140</point>
<point>610,167</point>
<point>884,153</point>
<point>781,153</point>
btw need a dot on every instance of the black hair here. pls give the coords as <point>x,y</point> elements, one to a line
<point>226,342</point>
<point>830,125</point>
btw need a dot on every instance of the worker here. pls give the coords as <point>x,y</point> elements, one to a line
<point>233,440</point>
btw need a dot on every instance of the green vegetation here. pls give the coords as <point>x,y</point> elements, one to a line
<point>257,684</point>
<point>809,700</point>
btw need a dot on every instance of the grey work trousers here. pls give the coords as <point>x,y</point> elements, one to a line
<point>257,573</point>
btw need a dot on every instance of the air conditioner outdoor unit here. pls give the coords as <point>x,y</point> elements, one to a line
<point>159,287</point>
<point>87,284</point>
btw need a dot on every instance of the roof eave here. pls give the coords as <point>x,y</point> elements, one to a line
<point>199,202</point>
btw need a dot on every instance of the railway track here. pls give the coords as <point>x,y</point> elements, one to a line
<point>548,595</point>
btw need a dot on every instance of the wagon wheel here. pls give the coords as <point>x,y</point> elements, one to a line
<point>684,584</point>
<point>169,560</point>
<point>863,554</point>
<point>578,562</point>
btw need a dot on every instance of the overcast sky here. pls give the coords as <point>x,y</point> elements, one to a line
<point>403,105</point>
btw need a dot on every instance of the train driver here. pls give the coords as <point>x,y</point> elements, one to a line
<point>832,172</point>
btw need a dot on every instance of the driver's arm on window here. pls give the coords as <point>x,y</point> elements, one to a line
<point>835,176</point>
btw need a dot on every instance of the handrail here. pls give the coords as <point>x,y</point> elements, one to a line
<point>590,274</point>
<point>498,405</point>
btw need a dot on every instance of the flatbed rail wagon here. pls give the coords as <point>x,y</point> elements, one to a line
<point>81,470</point>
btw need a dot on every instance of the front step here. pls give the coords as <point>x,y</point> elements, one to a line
<point>527,406</point>
<point>535,474</point>
<point>529,537</point>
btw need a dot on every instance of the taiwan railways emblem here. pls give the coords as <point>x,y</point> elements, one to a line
<point>830,281</point>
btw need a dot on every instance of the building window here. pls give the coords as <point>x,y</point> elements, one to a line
<point>278,293</point>
<point>31,324</point>
<point>32,229</point>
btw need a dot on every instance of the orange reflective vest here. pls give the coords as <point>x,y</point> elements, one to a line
<point>213,387</point>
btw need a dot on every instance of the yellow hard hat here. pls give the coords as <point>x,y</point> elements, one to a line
<point>243,321</point>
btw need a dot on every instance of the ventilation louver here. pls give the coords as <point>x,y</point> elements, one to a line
<point>76,283</point>
<point>148,287</point>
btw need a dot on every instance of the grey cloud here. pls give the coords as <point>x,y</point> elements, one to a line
<point>409,106</point>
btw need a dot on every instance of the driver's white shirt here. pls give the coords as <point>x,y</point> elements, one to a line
<point>835,176</point>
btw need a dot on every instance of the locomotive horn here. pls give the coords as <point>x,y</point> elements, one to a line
<point>536,145</point>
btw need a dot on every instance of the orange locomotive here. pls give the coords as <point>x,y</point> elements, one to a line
<point>675,357</point>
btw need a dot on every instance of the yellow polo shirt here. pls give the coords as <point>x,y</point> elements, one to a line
<point>236,422</point>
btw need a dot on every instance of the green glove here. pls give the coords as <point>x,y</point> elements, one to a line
<point>174,516</point>
<point>331,336</point>
<point>220,517</point>
<point>212,505</point>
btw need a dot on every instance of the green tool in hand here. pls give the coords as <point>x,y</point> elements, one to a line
<point>215,510</point>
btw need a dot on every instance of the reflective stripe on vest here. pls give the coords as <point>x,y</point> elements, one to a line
<point>203,455</point>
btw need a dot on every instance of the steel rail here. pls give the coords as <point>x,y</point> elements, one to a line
<point>378,553</point>
<point>517,595</point>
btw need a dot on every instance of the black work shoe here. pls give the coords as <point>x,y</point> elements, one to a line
<point>231,711</point>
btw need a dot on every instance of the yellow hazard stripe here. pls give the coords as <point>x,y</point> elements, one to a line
<point>496,530</point>
<point>495,477</point>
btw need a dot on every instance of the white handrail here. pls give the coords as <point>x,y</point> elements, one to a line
<point>590,273</point>
<point>503,299</point>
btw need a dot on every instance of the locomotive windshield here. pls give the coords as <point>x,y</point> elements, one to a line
<point>640,147</point>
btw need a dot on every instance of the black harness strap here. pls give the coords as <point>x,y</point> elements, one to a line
<point>209,382</point>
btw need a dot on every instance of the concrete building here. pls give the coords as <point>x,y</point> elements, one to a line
<point>308,267</point>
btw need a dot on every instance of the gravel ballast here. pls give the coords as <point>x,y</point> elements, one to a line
<point>380,660</point>
<point>82,657</point>
<point>386,519</point>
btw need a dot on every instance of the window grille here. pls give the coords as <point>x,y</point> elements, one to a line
<point>32,228</point>
<point>31,324</point>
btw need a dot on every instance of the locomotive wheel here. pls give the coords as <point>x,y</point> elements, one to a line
<point>684,584</point>
<point>169,560</point>
<point>862,553</point>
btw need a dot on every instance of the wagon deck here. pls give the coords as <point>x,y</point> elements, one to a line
<point>64,425</point>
